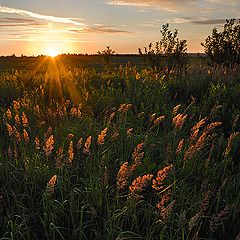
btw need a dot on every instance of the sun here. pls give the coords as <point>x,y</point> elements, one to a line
<point>52,52</point>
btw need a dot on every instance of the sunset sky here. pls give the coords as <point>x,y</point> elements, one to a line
<point>33,27</point>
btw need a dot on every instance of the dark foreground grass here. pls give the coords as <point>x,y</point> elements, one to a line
<point>133,153</point>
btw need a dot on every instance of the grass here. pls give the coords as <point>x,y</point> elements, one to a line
<point>119,153</point>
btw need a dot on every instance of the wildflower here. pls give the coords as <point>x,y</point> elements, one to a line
<point>101,137</point>
<point>25,136</point>
<point>161,175</point>
<point>37,143</point>
<point>70,153</point>
<point>179,147</point>
<point>24,119</point>
<point>48,147</point>
<point>179,120</point>
<point>9,114</point>
<point>139,184</point>
<point>86,149</point>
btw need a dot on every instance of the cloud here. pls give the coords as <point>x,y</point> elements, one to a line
<point>39,16</point>
<point>99,29</point>
<point>209,22</point>
<point>18,22</point>
<point>199,20</point>
<point>207,6</point>
<point>170,5</point>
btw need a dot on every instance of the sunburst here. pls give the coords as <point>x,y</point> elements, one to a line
<point>52,52</point>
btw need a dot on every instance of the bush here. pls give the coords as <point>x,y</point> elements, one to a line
<point>169,52</point>
<point>224,47</point>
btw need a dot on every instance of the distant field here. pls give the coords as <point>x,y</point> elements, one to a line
<point>29,63</point>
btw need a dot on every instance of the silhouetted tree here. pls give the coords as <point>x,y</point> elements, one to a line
<point>106,55</point>
<point>224,47</point>
<point>170,48</point>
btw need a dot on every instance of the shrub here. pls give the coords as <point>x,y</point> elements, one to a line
<point>224,47</point>
<point>169,51</point>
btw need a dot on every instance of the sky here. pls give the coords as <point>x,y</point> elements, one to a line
<point>34,27</point>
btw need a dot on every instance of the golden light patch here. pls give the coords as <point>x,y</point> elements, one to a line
<point>52,52</point>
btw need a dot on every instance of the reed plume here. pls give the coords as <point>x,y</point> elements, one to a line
<point>70,153</point>
<point>161,175</point>
<point>102,136</point>
<point>37,143</point>
<point>25,136</point>
<point>48,147</point>
<point>24,120</point>
<point>139,184</point>
<point>87,145</point>
<point>179,120</point>
<point>175,109</point>
<point>9,114</point>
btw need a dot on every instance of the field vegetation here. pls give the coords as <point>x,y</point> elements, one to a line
<point>119,151</point>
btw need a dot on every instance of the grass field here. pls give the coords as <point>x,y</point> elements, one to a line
<point>118,152</point>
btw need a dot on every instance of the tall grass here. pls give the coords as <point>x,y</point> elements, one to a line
<point>127,153</point>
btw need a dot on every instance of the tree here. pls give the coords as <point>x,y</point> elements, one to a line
<point>169,47</point>
<point>106,55</point>
<point>224,47</point>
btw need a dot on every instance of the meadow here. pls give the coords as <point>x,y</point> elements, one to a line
<point>118,151</point>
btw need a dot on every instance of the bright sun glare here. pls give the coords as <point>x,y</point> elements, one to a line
<point>52,52</point>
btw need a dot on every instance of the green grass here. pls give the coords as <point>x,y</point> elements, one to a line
<point>86,202</point>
